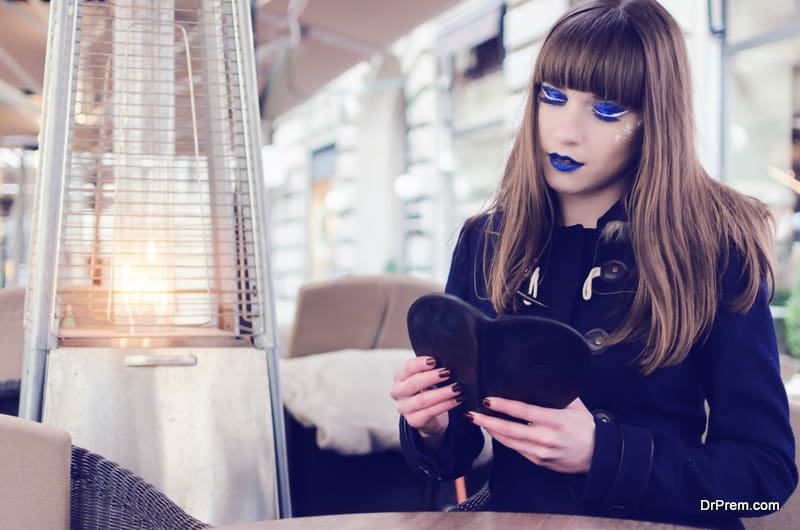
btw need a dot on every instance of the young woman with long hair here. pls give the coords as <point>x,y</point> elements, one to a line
<point>606,220</point>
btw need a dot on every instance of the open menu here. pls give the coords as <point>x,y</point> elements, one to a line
<point>525,358</point>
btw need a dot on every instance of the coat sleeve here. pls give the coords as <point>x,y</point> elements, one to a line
<point>748,454</point>
<point>463,440</point>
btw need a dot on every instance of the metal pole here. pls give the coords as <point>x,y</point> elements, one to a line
<point>267,339</point>
<point>47,210</point>
<point>718,26</point>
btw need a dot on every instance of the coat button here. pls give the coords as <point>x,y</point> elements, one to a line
<point>613,271</point>
<point>597,339</point>
<point>603,416</point>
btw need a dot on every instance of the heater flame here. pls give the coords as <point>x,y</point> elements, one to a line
<point>142,287</point>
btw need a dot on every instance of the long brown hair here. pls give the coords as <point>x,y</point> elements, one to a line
<point>682,223</point>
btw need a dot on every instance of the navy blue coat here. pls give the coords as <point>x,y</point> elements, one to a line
<point>650,461</point>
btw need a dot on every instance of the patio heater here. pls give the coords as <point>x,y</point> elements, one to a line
<point>150,332</point>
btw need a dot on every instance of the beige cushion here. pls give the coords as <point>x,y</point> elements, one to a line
<point>362,312</point>
<point>35,463</point>
<point>345,396</point>
<point>12,303</point>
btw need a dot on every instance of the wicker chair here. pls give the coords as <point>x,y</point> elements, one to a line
<point>105,495</point>
<point>474,503</point>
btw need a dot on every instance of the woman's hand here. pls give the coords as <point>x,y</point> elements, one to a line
<point>422,405</point>
<point>559,439</point>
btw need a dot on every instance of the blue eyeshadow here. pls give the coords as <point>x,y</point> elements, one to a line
<point>608,111</point>
<point>552,96</point>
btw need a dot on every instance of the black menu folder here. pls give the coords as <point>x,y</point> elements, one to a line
<point>524,358</point>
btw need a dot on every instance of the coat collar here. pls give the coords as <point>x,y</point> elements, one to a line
<point>617,212</point>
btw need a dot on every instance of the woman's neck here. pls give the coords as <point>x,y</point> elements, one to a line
<point>585,210</point>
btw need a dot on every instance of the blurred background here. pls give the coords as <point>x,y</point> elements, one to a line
<point>385,124</point>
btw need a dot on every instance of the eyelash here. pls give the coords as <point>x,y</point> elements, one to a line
<point>612,113</point>
<point>555,98</point>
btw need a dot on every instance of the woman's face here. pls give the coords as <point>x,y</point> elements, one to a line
<point>586,143</point>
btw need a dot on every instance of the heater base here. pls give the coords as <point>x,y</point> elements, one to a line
<point>201,432</point>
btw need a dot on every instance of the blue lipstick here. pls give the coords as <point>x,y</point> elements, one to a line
<point>563,163</point>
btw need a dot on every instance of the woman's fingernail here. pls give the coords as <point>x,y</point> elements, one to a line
<point>456,388</point>
<point>444,373</point>
<point>469,417</point>
<point>459,399</point>
<point>430,361</point>
<point>487,403</point>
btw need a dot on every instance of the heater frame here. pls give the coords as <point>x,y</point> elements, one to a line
<point>40,312</point>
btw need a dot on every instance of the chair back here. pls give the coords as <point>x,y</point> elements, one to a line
<point>12,302</point>
<point>362,312</point>
<point>35,462</point>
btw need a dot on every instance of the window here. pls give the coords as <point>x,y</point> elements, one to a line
<point>764,141</point>
<point>749,18</point>
<point>323,224</point>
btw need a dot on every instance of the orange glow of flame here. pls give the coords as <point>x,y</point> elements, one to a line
<point>142,287</point>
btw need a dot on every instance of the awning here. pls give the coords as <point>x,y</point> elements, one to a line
<point>23,40</point>
<point>306,43</point>
<point>300,46</point>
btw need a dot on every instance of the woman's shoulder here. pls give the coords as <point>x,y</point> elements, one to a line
<point>482,224</point>
<point>742,274</point>
<point>476,233</point>
<point>472,243</point>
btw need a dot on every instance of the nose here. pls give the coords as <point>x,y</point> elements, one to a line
<point>569,126</point>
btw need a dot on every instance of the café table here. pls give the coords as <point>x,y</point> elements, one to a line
<point>451,521</point>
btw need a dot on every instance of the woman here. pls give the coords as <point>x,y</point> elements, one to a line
<point>605,219</point>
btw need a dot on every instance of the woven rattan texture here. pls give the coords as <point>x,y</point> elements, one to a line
<point>474,503</point>
<point>106,496</point>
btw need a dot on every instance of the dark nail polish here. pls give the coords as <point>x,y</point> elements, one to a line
<point>456,388</point>
<point>459,399</point>
<point>469,417</point>
<point>444,373</point>
<point>430,361</point>
<point>487,403</point>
